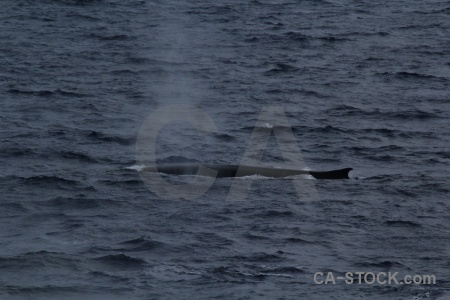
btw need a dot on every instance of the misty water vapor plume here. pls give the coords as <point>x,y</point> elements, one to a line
<point>176,51</point>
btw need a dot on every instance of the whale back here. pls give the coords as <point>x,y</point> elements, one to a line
<point>220,171</point>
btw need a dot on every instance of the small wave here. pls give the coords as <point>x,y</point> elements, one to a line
<point>35,292</point>
<point>235,274</point>
<point>281,68</point>
<point>73,202</point>
<point>328,129</point>
<point>258,273</point>
<point>386,132</point>
<point>420,26</point>
<point>298,241</point>
<point>224,137</point>
<point>344,110</point>
<point>46,93</point>
<point>406,114</point>
<point>73,224</point>
<point>142,60</point>
<point>414,114</point>
<point>371,151</point>
<point>433,12</point>
<point>383,158</point>
<point>128,72</point>
<point>442,154</point>
<point>116,37</point>
<point>122,260</point>
<point>177,269</point>
<point>116,278</point>
<point>312,93</point>
<point>80,2</point>
<point>294,91</point>
<point>176,159</point>
<point>77,156</point>
<point>295,36</point>
<point>255,2</point>
<point>260,257</point>
<point>443,10</point>
<point>384,265</point>
<point>332,39</point>
<point>281,270</point>
<point>111,138</point>
<point>276,214</point>
<point>43,93</point>
<point>383,178</point>
<point>251,236</point>
<point>122,183</point>
<point>77,16</point>
<point>403,223</point>
<point>12,207</point>
<point>252,39</point>
<point>213,239</point>
<point>275,91</point>
<point>49,180</point>
<point>17,152</point>
<point>412,75</point>
<point>361,33</point>
<point>140,244</point>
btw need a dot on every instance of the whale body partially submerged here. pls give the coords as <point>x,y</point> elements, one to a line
<point>220,170</point>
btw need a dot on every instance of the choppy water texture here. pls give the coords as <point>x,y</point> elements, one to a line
<point>364,84</point>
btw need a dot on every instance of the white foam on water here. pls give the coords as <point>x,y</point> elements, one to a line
<point>136,168</point>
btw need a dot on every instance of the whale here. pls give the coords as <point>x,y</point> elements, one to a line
<point>224,170</point>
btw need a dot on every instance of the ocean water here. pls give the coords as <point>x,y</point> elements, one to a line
<point>363,84</point>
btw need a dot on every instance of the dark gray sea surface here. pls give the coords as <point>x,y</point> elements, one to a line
<point>363,84</point>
